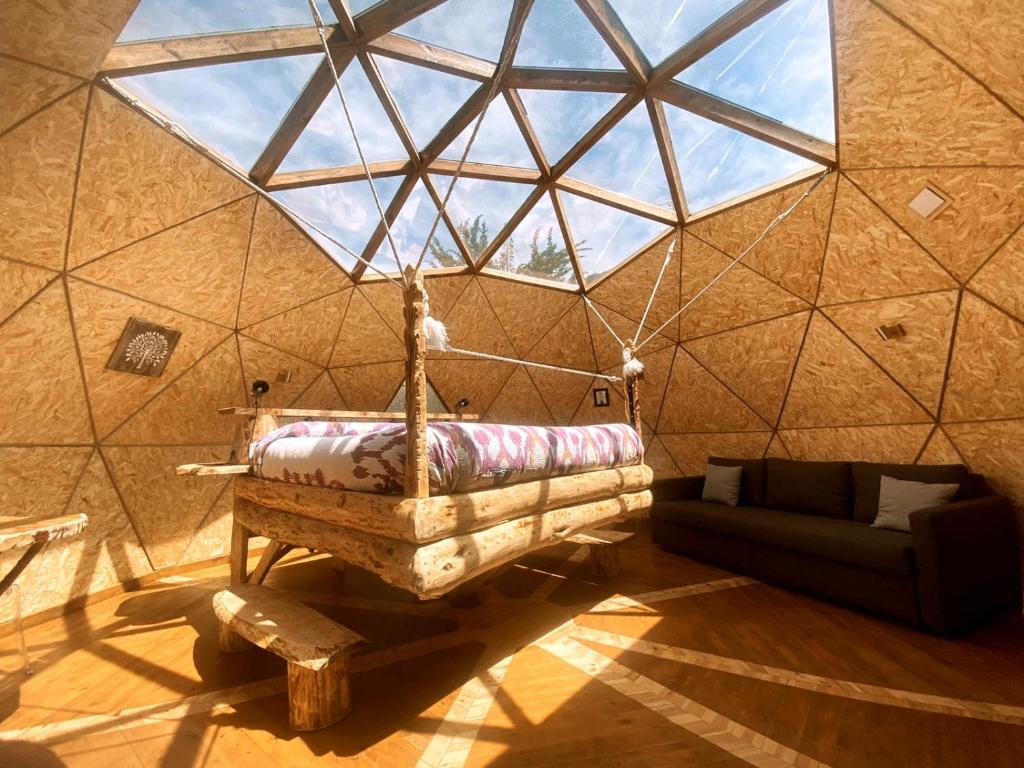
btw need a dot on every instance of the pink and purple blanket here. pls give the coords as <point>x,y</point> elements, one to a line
<point>463,456</point>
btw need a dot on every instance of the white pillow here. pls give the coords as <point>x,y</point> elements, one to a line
<point>898,498</point>
<point>722,484</point>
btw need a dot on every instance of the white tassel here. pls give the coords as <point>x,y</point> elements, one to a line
<point>436,334</point>
<point>631,366</point>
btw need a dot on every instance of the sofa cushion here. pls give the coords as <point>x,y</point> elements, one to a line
<point>823,488</point>
<point>898,498</point>
<point>752,482</point>
<point>722,484</point>
<point>840,540</point>
<point>867,476</point>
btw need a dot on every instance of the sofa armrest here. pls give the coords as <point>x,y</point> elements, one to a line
<point>968,565</point>
<point>678,488</point>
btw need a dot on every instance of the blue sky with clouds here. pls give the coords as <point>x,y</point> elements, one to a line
<point>781,66</point>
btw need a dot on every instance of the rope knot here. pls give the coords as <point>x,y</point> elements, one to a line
<point>632,368</point>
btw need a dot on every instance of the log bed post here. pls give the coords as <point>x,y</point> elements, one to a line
<point>417,480</point>
<point>632,384</point>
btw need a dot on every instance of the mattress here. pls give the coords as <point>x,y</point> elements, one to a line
<point>462,456</point>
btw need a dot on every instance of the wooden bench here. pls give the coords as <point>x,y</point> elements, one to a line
<point>604,549</point>
<point>316,649</point>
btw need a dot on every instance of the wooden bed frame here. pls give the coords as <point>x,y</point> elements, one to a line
<point>426,545</point>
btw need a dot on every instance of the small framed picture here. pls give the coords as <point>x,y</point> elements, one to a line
<point>144,348</point>
<point>600,397</point>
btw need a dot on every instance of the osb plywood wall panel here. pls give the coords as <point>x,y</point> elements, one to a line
<point>903,103</point>
<point>983,37</point>
<point>763,364</point>
<point>159,233</point>
<point>628,290</point>
<point>27,88</point>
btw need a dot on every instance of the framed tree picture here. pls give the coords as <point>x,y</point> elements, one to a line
<point>144,348</point>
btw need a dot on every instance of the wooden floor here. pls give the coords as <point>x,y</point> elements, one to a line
<point>673,663</point>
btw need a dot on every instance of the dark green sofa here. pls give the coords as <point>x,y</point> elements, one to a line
<point>808,525</point>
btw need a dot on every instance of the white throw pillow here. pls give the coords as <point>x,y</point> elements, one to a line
<point>722,484</point>
<point>898,498</point>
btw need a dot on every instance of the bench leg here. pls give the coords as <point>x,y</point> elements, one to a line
<point>317,698</point>
<point>230,641</point>
<point>604,561</point>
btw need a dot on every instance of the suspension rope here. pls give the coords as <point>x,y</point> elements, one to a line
<point>654,292</point>
<point>593,308</point>
<point>774,223</point>
<point>503,65</point>
<point>532,364</point>
<point>318,20</point>
<point>176,130</point>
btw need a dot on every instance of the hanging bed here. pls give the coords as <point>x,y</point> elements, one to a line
<point>431,506</point>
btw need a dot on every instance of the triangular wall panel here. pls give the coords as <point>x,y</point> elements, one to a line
<point>261,361</point>
<point>37,163</point>
<point>137,180</point>
<point>691,452</point>
<point>21,282</point>
<point>996,450</point>
<point>567,345</point>
<point>791,255</point>
<point>369,387</point>
<point>1001,280</point>
<point>28,88</point>
<point>100,318</point>
<point>835,384</point>
<point>519,402</point>
<point>365,337</point>
<point>284,268</point>
<point>939,450</point>
<point>40,365</point>
<point>195,267</point>
<point>308,331</point>
<point>902,103</point>
<point>987,206</point>
<point>27,470</point>
<point>869,257</point>
<point>186,411</point>
<point>986,374</point>
<point>526,312</point>
<point>917,360</point>
<point>756,361</point>
<point>696,402</point>
<point>738,298</point>
<point>165,508</point>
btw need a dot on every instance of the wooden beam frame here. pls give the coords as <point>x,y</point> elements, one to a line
<point>432,56</point>
<point>567,236</point>
<point>312,96</point>
<point>614,32</point>
<point>733,22</point>
<point>615,200</point>
<point>518,110</point>
<point>470,170</point>
<point>151,56</point>
<point>337,174</point>
<point>384,17</point>
<point>611,81</point>
<point>749,122</point>
<point>390,214</point>
<point>388,103</point>
<point>668,157</point>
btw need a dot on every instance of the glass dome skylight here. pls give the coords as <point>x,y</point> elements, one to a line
<point>614,119</point>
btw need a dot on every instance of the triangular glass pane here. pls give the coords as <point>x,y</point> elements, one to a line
<point>426,98</point>
<point>627,161</point>
<point>154,19</point>
<point>498,142</point>
<point>410,230</point>
<point>345,211</point>
<point>536,247</point>
<point>661,26</point>
<point>356,7</point>
<point>547,110</point>
<point>717,163</point>
<point>434,402</point>
<point>611,235</point>
<point>232,108</point>
<point>780,66</point>
<point>557,34</point>
<point>327,140</point>
<point>479,208</point>
<point>466,26</point>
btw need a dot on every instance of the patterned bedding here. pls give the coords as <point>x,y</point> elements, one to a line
<point>463,456</point>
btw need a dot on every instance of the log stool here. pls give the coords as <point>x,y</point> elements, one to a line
<point>604,550</point>
<point>316,649</point>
